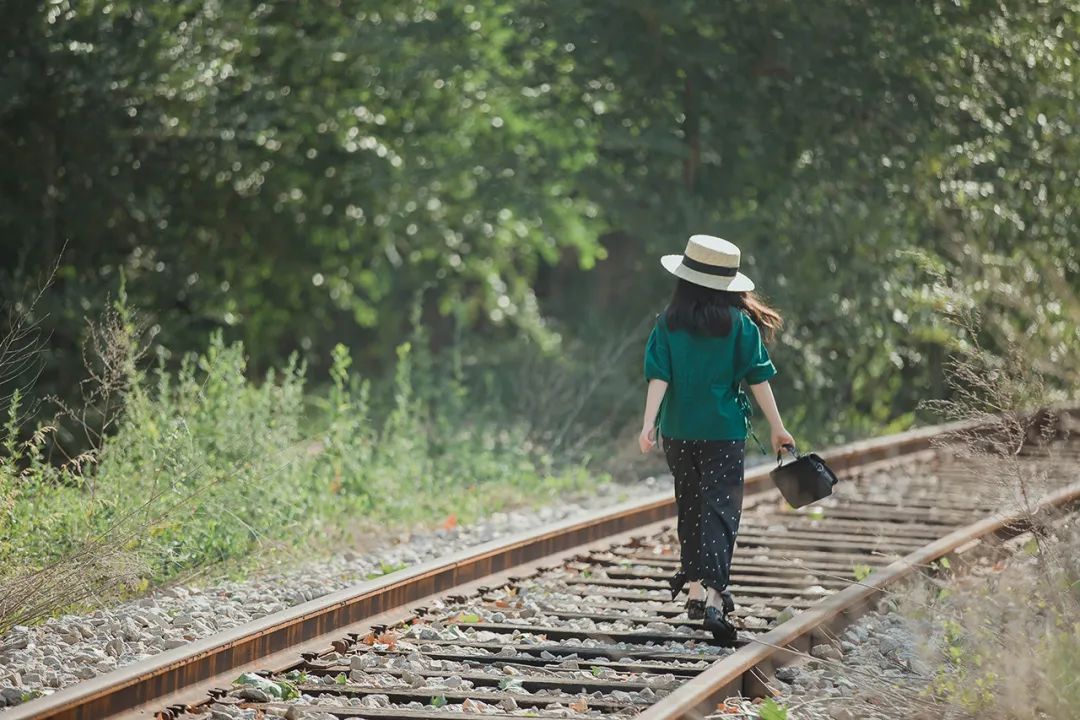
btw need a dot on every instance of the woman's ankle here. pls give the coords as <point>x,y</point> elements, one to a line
<point>719,599</point>
<point>695,591</point>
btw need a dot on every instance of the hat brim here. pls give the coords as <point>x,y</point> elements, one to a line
<point>736,283</point>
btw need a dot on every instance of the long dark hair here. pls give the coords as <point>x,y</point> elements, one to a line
<point>704,311</point>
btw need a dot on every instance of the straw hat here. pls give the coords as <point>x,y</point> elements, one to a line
<point>709,261</point>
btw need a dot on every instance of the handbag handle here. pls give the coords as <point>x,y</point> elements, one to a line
<point>791,449</point>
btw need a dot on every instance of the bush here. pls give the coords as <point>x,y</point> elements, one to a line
<point>205,466</point>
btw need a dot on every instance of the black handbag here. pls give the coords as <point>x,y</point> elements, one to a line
<point>805,480</point>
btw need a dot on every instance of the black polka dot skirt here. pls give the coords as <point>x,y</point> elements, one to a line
<point>709,493</point>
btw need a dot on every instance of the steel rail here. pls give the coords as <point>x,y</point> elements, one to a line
<point>321,620</point>
<point>750,670</point>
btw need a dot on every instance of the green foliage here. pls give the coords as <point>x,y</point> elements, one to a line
<point>206,466</point>
<point>861,572</point>
<point>386,568</point>
<point>965,679</point>
<point>300,677</point>
<point>772,710</point>
<point>878,162</point>
<point>286,172</point>
<point>1062,650</point>
<point>295,176</point>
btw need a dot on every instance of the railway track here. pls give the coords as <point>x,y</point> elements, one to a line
<point>578,620</point>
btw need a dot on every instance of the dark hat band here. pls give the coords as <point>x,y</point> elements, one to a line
<point>709,269</point>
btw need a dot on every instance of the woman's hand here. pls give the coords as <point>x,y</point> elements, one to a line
<point>780,438</point>
<point>647,439</point>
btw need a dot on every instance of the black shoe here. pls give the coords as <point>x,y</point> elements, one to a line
<point>723,631</point>
<point>695,609</point>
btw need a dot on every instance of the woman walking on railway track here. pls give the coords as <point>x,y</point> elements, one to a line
<point>703,346</point>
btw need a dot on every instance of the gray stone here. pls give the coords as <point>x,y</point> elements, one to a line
<point>13,696</point>
<point>130,631</point>
<point>253,694</point>
<point>889,645</point>
<point>427,632</point>
<point>363,662</point>
<point>17,641</point>
<point>787,673</point>
<point>826,651</point>
<point>377,700</point>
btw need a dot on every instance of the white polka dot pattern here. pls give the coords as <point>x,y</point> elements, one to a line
<point>709,493</point>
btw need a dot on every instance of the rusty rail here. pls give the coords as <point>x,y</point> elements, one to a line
<point>322,622</point>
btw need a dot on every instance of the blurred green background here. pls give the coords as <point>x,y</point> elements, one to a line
<point>494,183</point>
<point>295,173</point>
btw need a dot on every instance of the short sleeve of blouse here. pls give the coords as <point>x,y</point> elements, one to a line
<point>755,366</point>
<point>658,354</point>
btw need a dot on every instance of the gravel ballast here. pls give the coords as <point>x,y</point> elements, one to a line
<point>66,650</point>
<point>885,665</point>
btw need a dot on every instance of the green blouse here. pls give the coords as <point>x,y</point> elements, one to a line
<point>703,399</point>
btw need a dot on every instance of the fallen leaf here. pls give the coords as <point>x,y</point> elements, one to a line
<point>579,705</point>
<point>465,618</point>
<point>450,522</point>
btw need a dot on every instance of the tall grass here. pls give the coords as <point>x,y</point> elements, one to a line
<point>201,465</point>
<point>1008,642</point>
